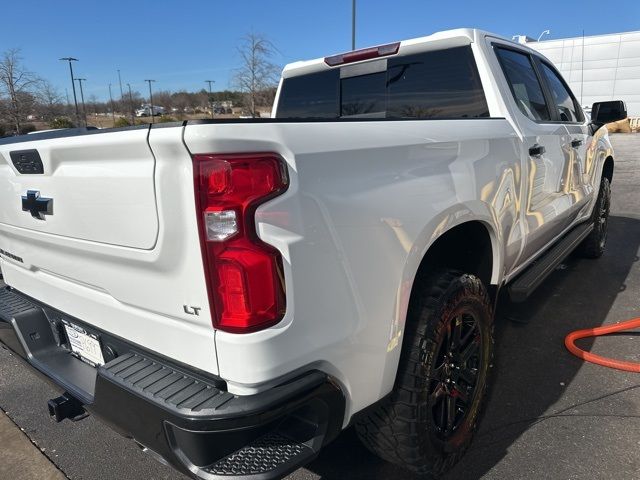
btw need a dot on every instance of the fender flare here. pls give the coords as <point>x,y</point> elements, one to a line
<point>449,219</point>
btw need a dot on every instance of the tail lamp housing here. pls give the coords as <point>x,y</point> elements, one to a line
<point>245,281</point>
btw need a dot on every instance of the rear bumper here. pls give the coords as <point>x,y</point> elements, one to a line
<point>183,416</point>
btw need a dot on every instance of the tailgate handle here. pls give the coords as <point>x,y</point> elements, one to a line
<point>27,161</point>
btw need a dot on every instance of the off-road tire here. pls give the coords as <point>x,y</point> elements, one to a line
<point>401,429</point>
<point>593,246</point>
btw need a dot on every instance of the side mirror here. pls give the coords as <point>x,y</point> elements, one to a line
<point>607,112</point>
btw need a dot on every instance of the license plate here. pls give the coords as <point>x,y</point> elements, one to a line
<point>84,344</point>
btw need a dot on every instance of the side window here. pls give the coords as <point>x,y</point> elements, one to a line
<point>524,83</point>
<point>565,102</point>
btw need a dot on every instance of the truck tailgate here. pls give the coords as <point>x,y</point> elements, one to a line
<point>101,188</point>
<point>120,250</point>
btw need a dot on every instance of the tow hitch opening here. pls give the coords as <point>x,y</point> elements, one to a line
<point>65,406</point>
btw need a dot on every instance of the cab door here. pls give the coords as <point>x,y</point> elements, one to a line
<point>545,203</point>
<point>568,113</point>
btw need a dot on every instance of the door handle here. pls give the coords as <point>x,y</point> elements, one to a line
<point>576,143</point>
<point>537,150</point>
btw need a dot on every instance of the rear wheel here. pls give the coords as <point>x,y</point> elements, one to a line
<point>593,246</point>
<point>428,421</point>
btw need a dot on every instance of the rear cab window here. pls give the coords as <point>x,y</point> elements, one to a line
<point>442,84</point>
<point>307,96</point>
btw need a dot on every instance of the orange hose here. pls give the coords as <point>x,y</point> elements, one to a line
<point>570,339</point>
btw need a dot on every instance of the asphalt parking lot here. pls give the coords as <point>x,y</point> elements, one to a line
<point>549,415</point>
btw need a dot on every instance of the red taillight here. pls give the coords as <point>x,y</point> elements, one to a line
<point>364,54</point>
<point>244,275</point>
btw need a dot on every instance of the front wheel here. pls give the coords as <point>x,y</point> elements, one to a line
<point>593,246</point>
<point>429,419</point>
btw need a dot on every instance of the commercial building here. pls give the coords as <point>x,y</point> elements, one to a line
<point>599,67</point>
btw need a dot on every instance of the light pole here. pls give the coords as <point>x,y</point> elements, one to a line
<point>120,81</point>
<point>210,97</point>
<point>546,32</point>
<point>151,101</point>
<point>73,84</point>
<point>84,110</point>
<point>353,25</point>
<point>113,113</point>
<point>133,119</point>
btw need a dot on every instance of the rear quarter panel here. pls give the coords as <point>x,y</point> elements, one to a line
<point>366,199</point>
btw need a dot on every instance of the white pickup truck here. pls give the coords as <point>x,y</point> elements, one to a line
<point>149,111</point>
<point>232,294</point>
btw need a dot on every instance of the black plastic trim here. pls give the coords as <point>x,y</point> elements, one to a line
<point>526,283</point>
<point>185,418</point>
<point>33,339</point>
<point>112,345</point>
<point>27,162</point>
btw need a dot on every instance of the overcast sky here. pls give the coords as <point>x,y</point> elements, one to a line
<point>182,43</point>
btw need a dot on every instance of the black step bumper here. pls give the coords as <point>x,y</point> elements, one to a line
<point>184,417</point>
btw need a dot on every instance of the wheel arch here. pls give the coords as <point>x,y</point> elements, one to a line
<point>440,241</point>
<point>468,247</point>
<point>441,250</point>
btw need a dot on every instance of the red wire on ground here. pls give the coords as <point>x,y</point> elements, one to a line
<point>570,339</point>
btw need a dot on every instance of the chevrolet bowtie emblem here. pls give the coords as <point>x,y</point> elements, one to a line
<point>37,205</point>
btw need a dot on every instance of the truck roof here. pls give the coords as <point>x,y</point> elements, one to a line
<point>439,40</point>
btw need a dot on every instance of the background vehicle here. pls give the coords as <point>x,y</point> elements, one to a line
<point>145,111</point>
<point>341,263</point>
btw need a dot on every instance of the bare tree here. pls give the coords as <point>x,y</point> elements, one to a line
<point>163,98</point>
<point>257,73</point>
<point>202,99</point>
<point>18,84</point>
<point>136,99</point>
<point>180,100</point>
<point>49,101</point>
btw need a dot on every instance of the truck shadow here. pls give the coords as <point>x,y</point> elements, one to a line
<point>532,368</point>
